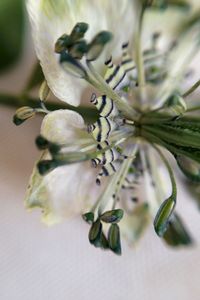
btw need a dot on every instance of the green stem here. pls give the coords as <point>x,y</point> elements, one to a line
<point>193,108</point>
<point>171,174</point>
<point>89,114</point>
<point>192,89</point>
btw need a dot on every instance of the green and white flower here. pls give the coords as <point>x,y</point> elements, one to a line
<point>141,107</point>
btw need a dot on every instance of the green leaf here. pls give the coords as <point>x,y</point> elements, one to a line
<point>163,215</point>
<point>11,32</point>
<point>112,216</point>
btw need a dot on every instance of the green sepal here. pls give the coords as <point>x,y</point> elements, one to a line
<point>88,217</point>
<point>114,239</point>
<point>161,221</point>
<point>79,31</point>
<point>22,114</point>
<point>112,216</point>
<point>189,167</point>
<point>72,66</point>
<point>97,45</point>
<point>176,234</point>
<point>95,232</point>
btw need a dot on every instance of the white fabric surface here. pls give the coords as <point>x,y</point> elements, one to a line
<point>58,263</point>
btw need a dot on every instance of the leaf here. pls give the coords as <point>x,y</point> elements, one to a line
<point>12,31</point>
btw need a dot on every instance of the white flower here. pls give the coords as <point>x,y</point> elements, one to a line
<point>116,143</point>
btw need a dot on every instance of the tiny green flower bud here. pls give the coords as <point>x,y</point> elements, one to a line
<point>78,49</point>
<point>63,43</point>
<point>97,45</point>
<point>42,143</point>
<point>163,215</point>
<point>22,114</point>
<point>45,166</point>
<point>44,91</point>
<point>114,239</point>
<point>112,216</point>
<point>72,66</point>
<point>88,217</point>
<point>95,232</point>
<point>79,31</point>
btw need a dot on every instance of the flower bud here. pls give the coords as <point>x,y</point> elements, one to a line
<point>112,216</point>
<point>63,43</point>
<point>97,45</point>
<point>114,239</point>
<point>72,66</point>
<point>78,49</point>
<point>79,31</point>
<point>44,91</point>
<point>163,215</point>
<point>22,114</point>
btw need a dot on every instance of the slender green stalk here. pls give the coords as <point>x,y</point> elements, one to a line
<point>192,89</point>
<point>89,114</point>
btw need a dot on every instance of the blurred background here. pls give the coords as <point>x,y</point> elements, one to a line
<point>43,263</point>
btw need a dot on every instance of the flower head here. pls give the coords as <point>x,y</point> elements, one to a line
<point>141,110</point>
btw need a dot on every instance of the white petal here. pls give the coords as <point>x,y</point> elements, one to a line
<point>49,21</point>
<point>62,126</point>
<point>66,191</point>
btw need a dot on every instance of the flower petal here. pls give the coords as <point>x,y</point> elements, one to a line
<point>67,190</point>
<point>62,126</point>
<point>49,21</point>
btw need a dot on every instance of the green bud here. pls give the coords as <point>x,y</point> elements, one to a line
<point>72,66</point>
<point>46,166</point>
<point>44,91</point>
<point>79,31</point>
<point>112,216</point>
<point>95,232</point>
<point>163,215</point>
<point>97,45</point>
<point>88,217</point>
<point>114,239</point>
<point>42,143</point>
<point>63,43</point>
<point>78,49</point>
<point>22,114</point>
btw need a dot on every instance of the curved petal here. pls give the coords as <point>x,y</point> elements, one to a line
<point>67,190</point>
<point>50,20</point>
<point>62,126</point>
